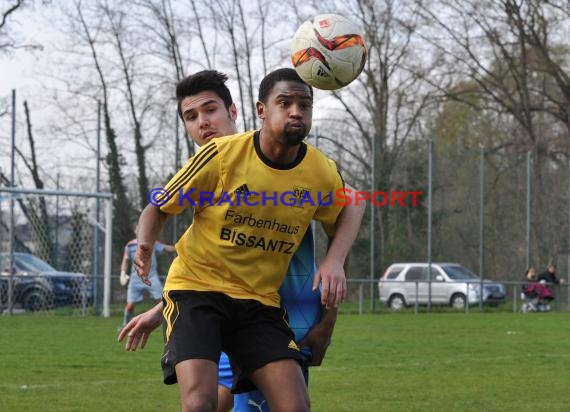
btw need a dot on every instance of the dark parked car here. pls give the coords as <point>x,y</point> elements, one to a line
<point>38,286</point>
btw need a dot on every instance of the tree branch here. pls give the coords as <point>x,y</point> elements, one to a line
<point>10,11</point>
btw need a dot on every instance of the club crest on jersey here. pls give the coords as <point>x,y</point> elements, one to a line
<point>302,197</point>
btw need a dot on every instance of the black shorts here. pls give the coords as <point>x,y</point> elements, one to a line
<point>199,325</point>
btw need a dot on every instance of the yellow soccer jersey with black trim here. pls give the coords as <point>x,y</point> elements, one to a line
<point>241,244</point>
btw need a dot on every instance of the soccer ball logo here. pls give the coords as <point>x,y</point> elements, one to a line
<point>328,51</point>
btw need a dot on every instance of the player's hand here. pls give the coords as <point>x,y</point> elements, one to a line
<point>143,260</point>
<point>124,278</point>
<point>139,329</point>
<point>318,339</point>
<point>330,275</point>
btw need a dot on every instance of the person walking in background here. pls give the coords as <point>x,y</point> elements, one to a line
<point>137,288</point>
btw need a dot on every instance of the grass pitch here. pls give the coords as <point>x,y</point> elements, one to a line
<point>383,362</point>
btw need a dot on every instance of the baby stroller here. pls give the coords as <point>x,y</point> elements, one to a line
<point>536,297</point>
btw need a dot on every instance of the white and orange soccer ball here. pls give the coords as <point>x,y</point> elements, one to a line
<point>328,51</point>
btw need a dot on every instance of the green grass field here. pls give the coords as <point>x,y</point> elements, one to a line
<point>384,362</point>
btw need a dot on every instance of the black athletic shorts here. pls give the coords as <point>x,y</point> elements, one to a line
<point>199,325</point>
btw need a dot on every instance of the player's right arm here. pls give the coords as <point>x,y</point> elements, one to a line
<point>150,225</point>
<point>194,183</point>
<point>125,261</point>
<point>199,175</point>
<point>124,277</point>
<point>140,327</point>
<point>331,271</point>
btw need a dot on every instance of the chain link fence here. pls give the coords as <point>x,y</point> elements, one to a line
<point>497,212</point>
<point>359,300</point>
<point>54,251</point>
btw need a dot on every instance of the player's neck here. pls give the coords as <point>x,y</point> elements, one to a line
<point>276,150</point>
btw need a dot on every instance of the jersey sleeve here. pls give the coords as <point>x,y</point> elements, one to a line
<point>327,213</point>
<point>158,247</point>
<point>200,175</point>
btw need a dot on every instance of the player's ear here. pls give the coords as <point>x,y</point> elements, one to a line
<point>260,110</point>
<point>233,112</point>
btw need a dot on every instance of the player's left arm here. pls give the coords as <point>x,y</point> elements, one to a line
<point>125,261</point>
<point>167,248</point>
<point>124,276</point>
<point>331,271</point>
<point>319,337</point>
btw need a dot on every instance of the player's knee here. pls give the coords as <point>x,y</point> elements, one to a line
<point>298,403</point>
<point>301,404</point>
<point>304,403</point>
<point>199,403</point>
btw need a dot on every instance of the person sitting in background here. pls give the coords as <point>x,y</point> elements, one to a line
<point>549,276</point>
<point>531,275</point>
<point>535,295</point>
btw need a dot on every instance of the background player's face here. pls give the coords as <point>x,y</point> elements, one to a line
<point>206,117</point>
<point>288,112</point>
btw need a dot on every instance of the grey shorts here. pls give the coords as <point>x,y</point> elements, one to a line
<point>137,289</point>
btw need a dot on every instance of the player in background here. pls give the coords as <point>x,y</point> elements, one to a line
<point>136,288</point>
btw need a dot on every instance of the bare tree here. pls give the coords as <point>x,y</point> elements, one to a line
<point>34,209</point>
<point>248,57</point>
<point>116,21</point>
<point>375,119</point>
<point>508,51</point>
<point>225,10</point>
<point>166,32</point>
<point>9,10</point>
<point>263,12</point>
<point>7,41</point>
<point>536,24</point>
<point>383,111</point>
<point>201,34</point>
<point>164,29</point>
<point>19,244</point>
<point>505,79</point>
<point>122,208</point>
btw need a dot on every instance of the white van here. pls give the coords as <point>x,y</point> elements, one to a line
<point>451,284</point>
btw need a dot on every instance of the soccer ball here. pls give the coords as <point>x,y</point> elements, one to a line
<point>328,51</point>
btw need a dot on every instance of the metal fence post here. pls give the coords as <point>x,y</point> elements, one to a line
<point>361,299</point>
<point>515,298</point>
<point>107,269</point>
<point>417,298</point>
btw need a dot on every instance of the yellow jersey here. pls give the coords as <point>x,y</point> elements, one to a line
<point>250,216</point>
